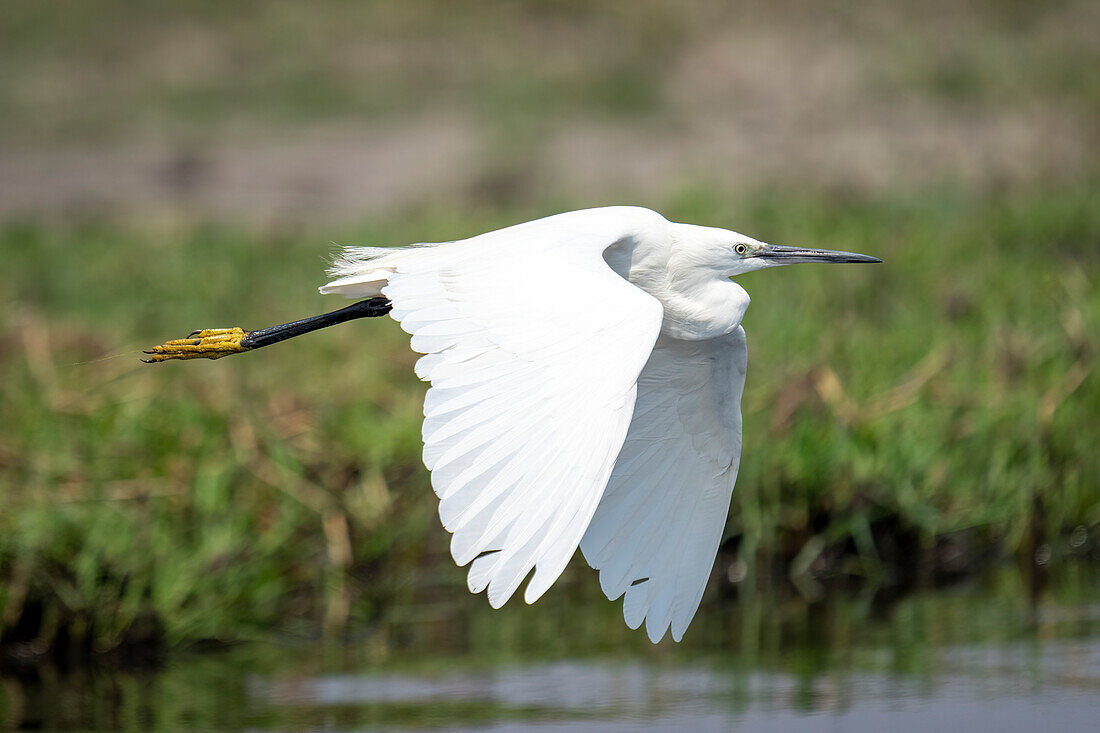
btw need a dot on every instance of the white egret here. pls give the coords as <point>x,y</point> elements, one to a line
<point>586,375</point>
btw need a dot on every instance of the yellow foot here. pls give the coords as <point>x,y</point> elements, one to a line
<point>209,343</point>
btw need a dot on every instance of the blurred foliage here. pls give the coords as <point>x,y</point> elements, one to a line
<point>903,424</point>
<point>944,401</point>
<point>195,64</point>
<point>71,69</point>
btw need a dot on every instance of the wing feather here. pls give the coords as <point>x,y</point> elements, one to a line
<point>656,530</point>
<point>533,347</point>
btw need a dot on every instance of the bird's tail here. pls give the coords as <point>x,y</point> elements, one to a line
<point>362,272</point>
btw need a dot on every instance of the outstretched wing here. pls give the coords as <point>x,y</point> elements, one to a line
<point>533,347</point>
<point>656,530</point>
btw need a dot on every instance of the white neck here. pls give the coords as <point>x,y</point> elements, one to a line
<point>700,301</point>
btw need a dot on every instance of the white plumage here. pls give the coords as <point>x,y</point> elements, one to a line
<point>662,514</point>
<point>586,374</point>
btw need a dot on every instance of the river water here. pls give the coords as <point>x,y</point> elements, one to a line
<point>993,653</point>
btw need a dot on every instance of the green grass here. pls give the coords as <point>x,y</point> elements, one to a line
<point>196,66</point>
<point>948,395</point>
<point>111,69</point>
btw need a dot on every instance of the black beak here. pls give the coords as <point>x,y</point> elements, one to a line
<point>780,255</point>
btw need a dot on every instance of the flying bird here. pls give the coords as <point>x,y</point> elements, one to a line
<point>586,375</point>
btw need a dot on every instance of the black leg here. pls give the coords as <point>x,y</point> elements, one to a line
<point>274,334</point>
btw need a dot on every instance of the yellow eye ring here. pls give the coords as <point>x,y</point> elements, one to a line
<point>740,249</point>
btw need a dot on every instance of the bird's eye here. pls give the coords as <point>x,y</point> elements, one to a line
<point>740,249</point>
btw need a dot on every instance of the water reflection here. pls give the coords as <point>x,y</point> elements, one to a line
<point>984,656</point>
<point>1018,687</point>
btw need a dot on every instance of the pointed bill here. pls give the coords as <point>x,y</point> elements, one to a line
<point>779,254</point>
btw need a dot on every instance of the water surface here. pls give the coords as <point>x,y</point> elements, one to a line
<point>995,653</point>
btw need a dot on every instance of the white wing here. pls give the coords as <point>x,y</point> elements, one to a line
<point>533,346</point>
<point>656,530</point>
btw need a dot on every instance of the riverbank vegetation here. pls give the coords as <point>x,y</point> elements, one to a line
<point>903,426</point>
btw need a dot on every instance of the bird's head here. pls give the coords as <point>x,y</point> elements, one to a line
<point>745,254</point>
<point>727,254</point>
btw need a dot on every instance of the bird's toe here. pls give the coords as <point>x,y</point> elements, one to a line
<point>207,343</point>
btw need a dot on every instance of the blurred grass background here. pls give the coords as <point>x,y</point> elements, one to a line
<point>168,166</point>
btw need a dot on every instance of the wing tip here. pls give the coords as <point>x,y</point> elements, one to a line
<point>655,632</point>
